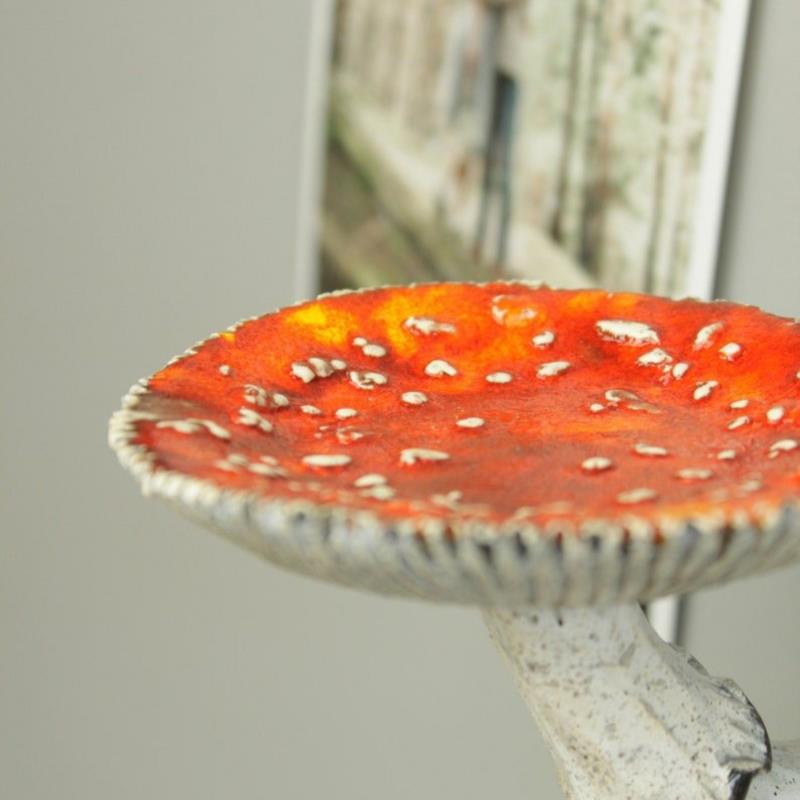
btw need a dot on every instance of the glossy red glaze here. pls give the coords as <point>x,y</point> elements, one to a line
<point>541,452</point>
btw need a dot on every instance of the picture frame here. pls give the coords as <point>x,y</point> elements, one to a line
<point>584,41</point>
<point>691,53</point>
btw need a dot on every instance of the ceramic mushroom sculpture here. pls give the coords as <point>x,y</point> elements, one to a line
<point>554,457</point>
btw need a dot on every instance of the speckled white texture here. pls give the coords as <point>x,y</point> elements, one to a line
<point>626,716</point>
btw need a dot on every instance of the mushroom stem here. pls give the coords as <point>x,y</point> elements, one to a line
<point>626,715</point>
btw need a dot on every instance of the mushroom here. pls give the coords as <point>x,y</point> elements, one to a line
<point>518,497</point>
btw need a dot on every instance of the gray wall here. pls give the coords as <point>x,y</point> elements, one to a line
<point>149,160</point>
<point>760,252</point>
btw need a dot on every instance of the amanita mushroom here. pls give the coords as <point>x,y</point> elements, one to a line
<point>554,457</point>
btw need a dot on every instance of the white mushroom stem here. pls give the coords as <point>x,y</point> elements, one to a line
<point>626,715</point>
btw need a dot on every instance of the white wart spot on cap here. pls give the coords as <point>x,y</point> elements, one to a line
<point>639,495</point>
<point>552,368</point>
<point>750,486</point>
<point>233,462</point>
<point>624,331</point>
<point>225,369</point>
<point>726,455</point>
<point>629,400</point>
<point>378,492</point>
<point>596,464</point>
<point>413,455</point>
<point>374,350</point>
<point>312,410</point>
<point>543,339</point>
<point>499,377</point>
<point>596,408</point>
<point>346,413</point>
<point>315,367</point>
<point>370,479</point>
<point>703,389</point>
<point>775,414</point>
<point>730,351</point>
<point>782,446</point>
<point>303,372</point>
<point>367,380</point>
<point>650,450</point>
<point>450,499</point>
<point>348,435</point>
<point>195,426</point>
<point>254,394</point>
<point>414,398</point>
<point>251,418</point>
<point>267,470</point>
<point>322,368</point>
<point>258,396</point>
<point>438,368</point>
<point>706,335</point>
<point>654,358</point>
<point>520,314</point>
<point>739,422</point>
<point>680,369</point>
<point>338,364</point>
<point>427,326</point>
<point>370,349</point>
<point>690,474</point>
<point>737,404</point>
<point>327,460</point>
<point>471,422</point>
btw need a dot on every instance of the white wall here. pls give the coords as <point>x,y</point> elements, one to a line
<point>149,157</point>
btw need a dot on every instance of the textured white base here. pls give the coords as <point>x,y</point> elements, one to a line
<point>629,717</point>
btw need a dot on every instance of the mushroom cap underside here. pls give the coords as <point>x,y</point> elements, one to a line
<point>500,444</point>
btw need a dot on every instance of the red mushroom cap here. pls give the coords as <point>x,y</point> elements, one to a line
<point>484,412</point>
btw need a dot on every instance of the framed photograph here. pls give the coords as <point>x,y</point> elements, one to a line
<point>579,142</point>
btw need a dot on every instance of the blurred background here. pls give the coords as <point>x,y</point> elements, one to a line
<point>151,165</point>
<point>562,140</point>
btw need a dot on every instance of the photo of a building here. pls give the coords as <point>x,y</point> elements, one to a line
<point>559,140</point>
